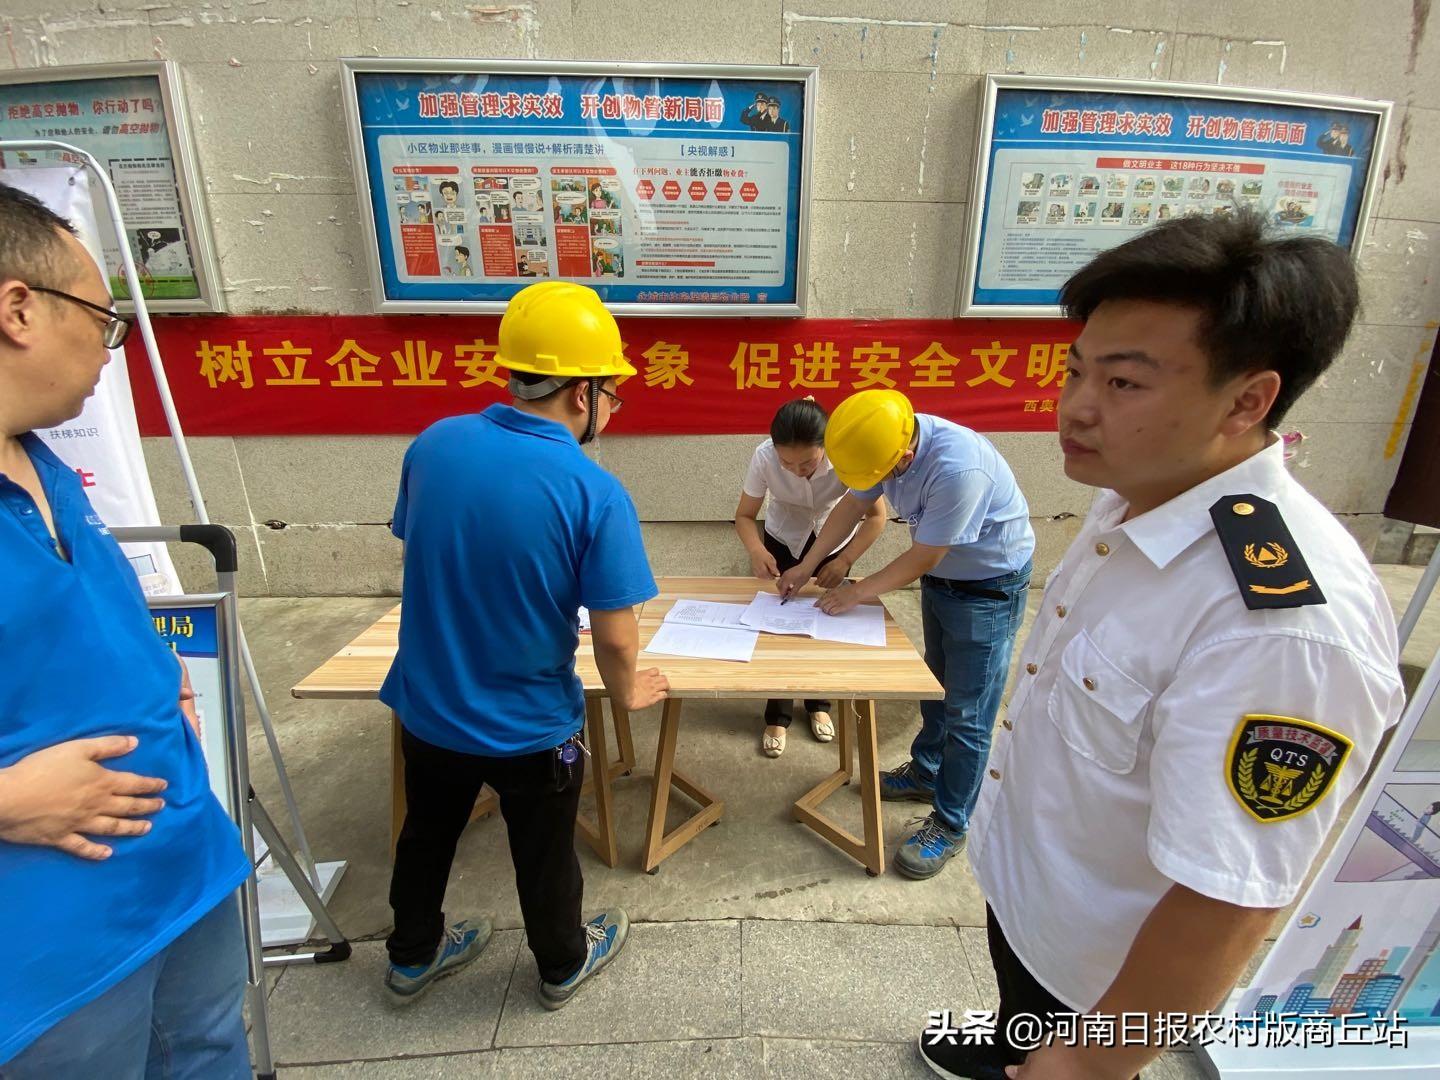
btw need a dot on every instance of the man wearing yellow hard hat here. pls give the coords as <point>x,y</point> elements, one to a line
<point>509,530</point>
<point>971,548</point>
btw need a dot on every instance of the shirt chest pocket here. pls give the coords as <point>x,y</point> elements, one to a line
<point>1097,708</point>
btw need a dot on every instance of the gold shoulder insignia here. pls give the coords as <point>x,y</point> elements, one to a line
<point>1263,555</point>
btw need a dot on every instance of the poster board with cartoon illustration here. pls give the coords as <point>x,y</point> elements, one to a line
<point>669,189</point>
<point>1067,168</point>
<point>131,118</point>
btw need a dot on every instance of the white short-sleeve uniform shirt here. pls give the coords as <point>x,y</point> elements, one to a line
<point>798,507</point>
<point>1110,779</point>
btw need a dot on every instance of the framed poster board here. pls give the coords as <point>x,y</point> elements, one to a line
<point>131,118</point>
<point>669,189</point>
<point>1067,168</point>
<point>194,628</point>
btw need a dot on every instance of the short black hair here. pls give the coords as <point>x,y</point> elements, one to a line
<point>32,249</point>
<point>1267,303</point>
<point>799,423</point>
<point>462,249</point>
<point>450,184</point>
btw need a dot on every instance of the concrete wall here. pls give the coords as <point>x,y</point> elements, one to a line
<point>899,88</point>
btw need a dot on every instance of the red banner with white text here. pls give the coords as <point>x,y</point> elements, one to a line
<point>394,375</point>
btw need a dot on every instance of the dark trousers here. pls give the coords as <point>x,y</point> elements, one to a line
<point>1019,990</point>
<point>538,800</point>
<point>777,711</point>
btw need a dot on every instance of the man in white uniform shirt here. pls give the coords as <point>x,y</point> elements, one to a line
<point>1213,664</point>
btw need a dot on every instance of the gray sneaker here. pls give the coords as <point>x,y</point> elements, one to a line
<point>926,852</point>
<point>462,942</point>
<point>905,783</point>
<point>605,936</point>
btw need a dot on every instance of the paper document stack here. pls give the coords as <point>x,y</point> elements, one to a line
<point>863,625</point>
<point>703,629</point>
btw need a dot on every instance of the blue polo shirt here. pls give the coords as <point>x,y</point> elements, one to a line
<point>79,658</point>
<point>509,528</point>
<point>960,493</point>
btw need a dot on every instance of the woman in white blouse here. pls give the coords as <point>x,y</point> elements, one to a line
<point>792,469</point>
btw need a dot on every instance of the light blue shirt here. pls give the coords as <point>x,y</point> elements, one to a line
<point>960,493</point>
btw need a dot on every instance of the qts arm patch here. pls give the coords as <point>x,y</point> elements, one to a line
<point>1279,767</point>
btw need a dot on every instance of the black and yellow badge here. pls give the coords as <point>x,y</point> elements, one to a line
<point>1263,555</point>
<point>1279,767</point>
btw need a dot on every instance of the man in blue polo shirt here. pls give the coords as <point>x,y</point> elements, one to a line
<point>509,529</point>
<point>971,545</point>
<point>120,939</point>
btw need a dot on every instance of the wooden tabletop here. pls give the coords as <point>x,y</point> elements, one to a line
<point>782,665</point>
<point>785,665</point>
<point>357,670</point>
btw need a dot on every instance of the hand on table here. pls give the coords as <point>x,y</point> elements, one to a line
<point>762,564</point>
<point>53,796</point>
<point>792,581</point>
<point>834,572</point>
<point>839,599</point>
<point>650,686</point>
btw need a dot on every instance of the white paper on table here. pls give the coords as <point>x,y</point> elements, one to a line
<point>766,613</point>
<point>704,642</point>
<point>707,613</point>
<point>863,625</point>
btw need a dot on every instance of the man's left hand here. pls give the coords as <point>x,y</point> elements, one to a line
<point>834,572</point>
<point>187,698</point>
<point>839,599</point>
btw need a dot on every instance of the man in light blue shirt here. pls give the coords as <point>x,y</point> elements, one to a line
<point>971,550</point>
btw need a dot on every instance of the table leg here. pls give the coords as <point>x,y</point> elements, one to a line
<point>487,803</point>
<point>660,845</point>
<point>623,742</point>
<point>397,782</point>
<point>601,835</point>
<point>868,850</point>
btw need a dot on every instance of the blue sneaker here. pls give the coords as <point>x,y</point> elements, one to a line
<point>925,854</point>
<point>462,943</point>
<point>905,783</point>
<point>604,938</point>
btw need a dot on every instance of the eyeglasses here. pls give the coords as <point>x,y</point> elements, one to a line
<point>116,328</point>
<point>616,401</point>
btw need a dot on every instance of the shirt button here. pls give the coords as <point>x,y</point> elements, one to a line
<point>1031,669</point>
<point>994,774</point>
<point>1060,610</point>
<point>1102,550</point>
<point>1007,725</point>
<point>1088,682</point>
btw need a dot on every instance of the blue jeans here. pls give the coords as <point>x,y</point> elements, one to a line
<point>968,640</point>
<point>176,1018</point>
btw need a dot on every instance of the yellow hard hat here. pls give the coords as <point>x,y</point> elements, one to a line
<point>563,330</point>
<point>867,435</point>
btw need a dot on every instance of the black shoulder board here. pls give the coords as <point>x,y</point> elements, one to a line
<point>1267,563</point>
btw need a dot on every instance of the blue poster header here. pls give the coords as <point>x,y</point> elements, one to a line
<point>1073,172</point>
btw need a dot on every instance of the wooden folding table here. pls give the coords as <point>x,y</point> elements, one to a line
<point>854,676</point>
<point>357,671</point>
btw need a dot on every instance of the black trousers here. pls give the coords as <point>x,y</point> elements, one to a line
<point>538,801</point>
<point>777,711</point>
<point>1020,992</point>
